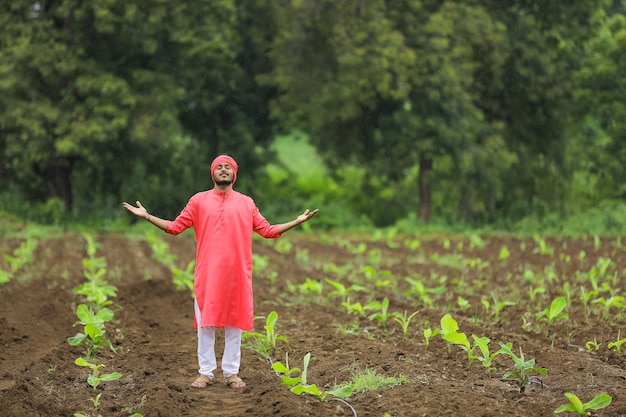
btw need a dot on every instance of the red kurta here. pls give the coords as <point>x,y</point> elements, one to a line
<point>223,224</point>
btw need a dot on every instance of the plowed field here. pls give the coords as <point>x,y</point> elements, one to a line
<point>503,283</point>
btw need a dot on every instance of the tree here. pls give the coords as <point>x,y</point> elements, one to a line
<point>397,85</point>
<point>111,90</point>
<point>600,103</point>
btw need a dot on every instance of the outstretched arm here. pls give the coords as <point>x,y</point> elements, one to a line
<point>304,217</point>
<point>140,211</point>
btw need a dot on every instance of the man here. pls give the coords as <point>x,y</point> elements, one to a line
<point>223,221</point>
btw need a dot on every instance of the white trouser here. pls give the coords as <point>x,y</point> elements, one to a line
<point>206,348</point>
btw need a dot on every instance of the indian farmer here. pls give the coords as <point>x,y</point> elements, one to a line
<point>223,221</point>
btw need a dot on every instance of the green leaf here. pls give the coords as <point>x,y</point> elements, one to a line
<point>110,377</point>
<point>598,402</point>
<point>290,381</point>
<point>76,340</point>
<point>280,368</point>
<point>576,403</point>
<point>84,314</point>
<point>448,324</point>
<point>342,392</point>
<point>566,407</point>
<point>82,362</point>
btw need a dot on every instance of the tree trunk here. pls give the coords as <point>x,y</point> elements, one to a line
<point>57,175</point>
<point>425,192</point>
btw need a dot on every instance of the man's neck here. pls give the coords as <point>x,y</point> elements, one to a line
<point>224,188</point>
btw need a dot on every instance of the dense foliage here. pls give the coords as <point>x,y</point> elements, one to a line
<point>485,112</point>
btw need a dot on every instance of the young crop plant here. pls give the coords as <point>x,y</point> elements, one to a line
<point>449,332</point>
<point>266,343</point>
<point>160,250</point>
<point>598,402</point>
<point>592,345</point>
<point>496,307</point>
<point>617,344</point>
<point>184,278</point>
<point>95,378</point>
<point>485,357</point>
<point>20,257</point>
<point>554,313</point>
<point>542,246</point>
<point>355,308</point>
<point>94,336</point>
<point>341,290</point>
<point>428,334</point>
<point>404,320</point>
<point>298,384</point>
<point>382,316</point>
<point>419,290</point>
<point>96,290</point>
<point>311,291</point>
<point>521,375</point>
<point>289,376</point>
<point>607,303</point>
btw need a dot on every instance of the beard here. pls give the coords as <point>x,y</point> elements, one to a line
<point>223,183</point>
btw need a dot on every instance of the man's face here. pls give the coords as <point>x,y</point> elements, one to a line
<point>223,175</point>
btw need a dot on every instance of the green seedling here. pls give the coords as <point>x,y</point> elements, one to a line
<point>341,290</point>
<point>312,289</point>
<point>302,256</point>
<point>586,297</point>
<point>497,306</point>
<point>404,320</point>
<point>523,368</point>
<point>184,278</point>
<point>94,333</point>
<point>265,343</point>
<point>286,373</point>
<point>428,334</point>
<point>555,311</point>
<point>5,276</point>
<point>614,301</point>
<point>95,378</point>
<point>96,290</point>
<point>542,247</point>
<point>533,292</point>
<point>462,303</point>
<point>303,387</point>
<point>20,257</point>
<point>598,402</point>
<point>161,250</point>
<point>383,315</point>
<point>355,308</point>
<point>424,294</point>
<point>485,357</point>
<point>592,345</point>
<point>617,345</point>
<point>450,334</point>
<point>283,246</point>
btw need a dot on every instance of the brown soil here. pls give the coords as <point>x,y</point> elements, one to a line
<point>156,344</point>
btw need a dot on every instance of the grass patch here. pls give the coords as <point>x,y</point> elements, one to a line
<point>369,380</point>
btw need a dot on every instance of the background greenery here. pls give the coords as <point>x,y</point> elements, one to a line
<point>497,114</point>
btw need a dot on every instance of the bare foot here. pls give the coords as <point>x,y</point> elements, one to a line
<point>235,382</point>
<point>202,381</point>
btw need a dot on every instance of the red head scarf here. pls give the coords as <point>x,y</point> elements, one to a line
<point>224,159</point>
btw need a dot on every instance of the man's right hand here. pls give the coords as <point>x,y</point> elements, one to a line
<point>138,211</point>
